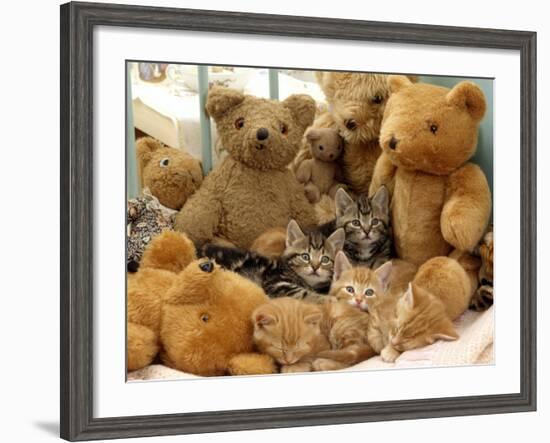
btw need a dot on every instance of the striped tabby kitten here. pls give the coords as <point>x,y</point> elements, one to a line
<point>366,223</point>
<point>304,271</point>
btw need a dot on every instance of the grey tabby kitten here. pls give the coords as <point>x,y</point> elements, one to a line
<point>366,222</point>
<point>304,271</point>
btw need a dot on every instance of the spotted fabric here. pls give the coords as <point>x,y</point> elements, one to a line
<point>145,218</point>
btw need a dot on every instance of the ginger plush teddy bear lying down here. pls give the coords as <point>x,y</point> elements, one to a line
<point>192,312</point>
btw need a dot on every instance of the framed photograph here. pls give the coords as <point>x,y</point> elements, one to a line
<point>273,221</point>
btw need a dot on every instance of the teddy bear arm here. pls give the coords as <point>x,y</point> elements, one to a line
<point>142,346</point>
<point>200,216</point>
<point>301,209</point>
<point>384,173</point>
<point>303,173</point>
<point>251,364</point>
<point>467,208</point>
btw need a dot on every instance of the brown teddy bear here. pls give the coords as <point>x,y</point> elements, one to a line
<point>319,173</point>
<point>356,106</point>
<point>169,176</point>
<point>440,201</point>
<point>194,313</point>
<point>252,189</point>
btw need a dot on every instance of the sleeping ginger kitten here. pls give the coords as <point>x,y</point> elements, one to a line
<point>304,337</point>
<point>403,315</point>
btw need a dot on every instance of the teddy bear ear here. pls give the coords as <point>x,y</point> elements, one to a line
<point>468,96</point>
<point>302,108</point>
<point>313,134</point>
<point>221,99</point>
<point>398,82</point>
<point>145,146</point>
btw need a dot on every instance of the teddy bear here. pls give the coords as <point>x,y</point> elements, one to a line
<point>192,314</point>
<point>319,173</point>
<point>356,106</point>
<point>169,176</point>
<point>441,202</point>
<point>252,189</point>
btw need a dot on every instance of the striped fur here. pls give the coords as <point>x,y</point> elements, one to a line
<point>303,272</point>
<point>366,222</point>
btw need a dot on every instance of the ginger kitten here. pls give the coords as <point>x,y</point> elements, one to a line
<point>304,337</point>
<point>404,319</point>
<point>289,330</point>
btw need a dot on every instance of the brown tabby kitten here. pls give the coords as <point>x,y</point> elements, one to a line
<point>303,337</point>
<point>400,319</point>
<point>483,297</point>
<point>289,330</point>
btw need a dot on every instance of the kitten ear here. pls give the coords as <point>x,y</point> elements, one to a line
<point>336,240</point>
<point>381,200</point>
<point>263,319</point>
<point>448,333</point>
<point>293,233</point>
<point>341,264</point>
<point>383,273</point>
<point>408,297</point>
<point>313,318</point>
<point>342,200</point>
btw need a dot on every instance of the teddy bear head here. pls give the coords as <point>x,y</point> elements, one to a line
<point>357,103</point>
<point>324,143</point>
<point>262,134</point>
<point>170,174</point>
<point>430,128</point>
<point>206,318</point>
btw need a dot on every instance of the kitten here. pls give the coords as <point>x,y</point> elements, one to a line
<point>402,318</point>
<point>304,271</point>
<point>290,331</point>
<point>367,225</point>
<point>483,297</point>
<point>303,337</point>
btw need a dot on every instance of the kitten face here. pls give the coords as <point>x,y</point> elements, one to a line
<point>358,286</point>
<point>287,329</point>
<point>312,256</point>
<point>365,221</point>
<point>419,322</point>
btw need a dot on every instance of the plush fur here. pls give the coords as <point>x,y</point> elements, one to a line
<point>356,106</point>
<point>318,173</point>
<point>183,309</point>
<point>252,190</point>
<point>440,201</point>
<point>171,175</point>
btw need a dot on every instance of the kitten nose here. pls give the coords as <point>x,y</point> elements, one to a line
<point>262,134</point>
<point>393,142</point>
<point>358,300</point>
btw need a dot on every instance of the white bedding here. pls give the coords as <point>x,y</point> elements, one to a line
<point>475,346</point>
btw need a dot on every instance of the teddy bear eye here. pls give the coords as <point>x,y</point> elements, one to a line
<point>377,99</point>
<point>239,123</point>
<point>433,128</point>
<point>284,129</point>
<point>164,162</point>
<point>321,147</point>
<point>351,124</point>
<point>205,318</point>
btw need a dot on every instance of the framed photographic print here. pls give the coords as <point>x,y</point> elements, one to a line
<point>272,221</point>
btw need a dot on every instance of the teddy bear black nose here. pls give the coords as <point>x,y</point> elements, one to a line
<point>207,266</point>
<point>393,142</point>
<point>262,134</point>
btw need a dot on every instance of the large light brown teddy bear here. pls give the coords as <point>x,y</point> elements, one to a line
<point>252,190</point>
<point>440,201</point>
<point>192,312</point>
<point>356,106</point>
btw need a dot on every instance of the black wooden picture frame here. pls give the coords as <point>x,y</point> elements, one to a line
<point>77,214</point>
